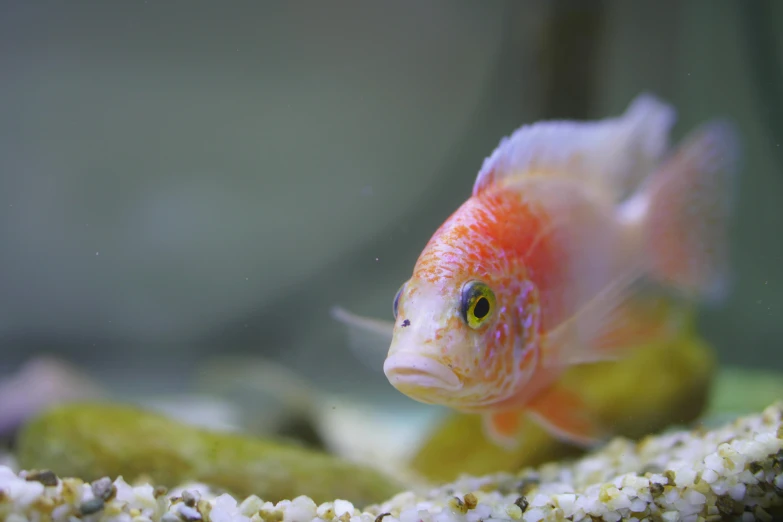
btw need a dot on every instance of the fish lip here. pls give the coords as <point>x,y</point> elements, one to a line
<point>411,369</point>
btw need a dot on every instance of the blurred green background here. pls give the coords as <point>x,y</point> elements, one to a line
<point>183,179</point>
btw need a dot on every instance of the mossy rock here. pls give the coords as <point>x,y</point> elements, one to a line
<point>90,441</point>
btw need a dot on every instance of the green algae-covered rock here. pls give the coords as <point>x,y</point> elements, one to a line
<point>93,440</point>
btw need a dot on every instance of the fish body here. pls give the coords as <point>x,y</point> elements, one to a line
<point>573,233</point>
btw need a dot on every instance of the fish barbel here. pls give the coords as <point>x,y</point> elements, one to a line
<point>572,232</point>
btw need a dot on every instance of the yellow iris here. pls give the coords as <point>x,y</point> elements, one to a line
<point>478,303</point>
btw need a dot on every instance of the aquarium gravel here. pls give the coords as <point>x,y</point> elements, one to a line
<point>734,472</point>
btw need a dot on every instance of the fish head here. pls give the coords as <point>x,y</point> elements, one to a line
<point>464,332</point>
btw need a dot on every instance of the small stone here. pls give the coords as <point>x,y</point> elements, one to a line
<point>45,477</point>
<point>190,498</point>
<point>102,488</point>
<point>726,505</point>
<point>252,505</point>
<point>189,513</point>
<point>91,506</point>
<point>458,505</point>
<point>343,506</point>
<point>670,516</point>
<point>522,503</point>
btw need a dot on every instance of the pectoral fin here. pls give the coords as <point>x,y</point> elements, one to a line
<point>561,412</point>
<point>564,415</point>
<point>620,318</point>
<point>368,338</point>
<point>504,428</point>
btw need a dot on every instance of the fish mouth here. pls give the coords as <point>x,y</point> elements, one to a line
<point>409,372</point>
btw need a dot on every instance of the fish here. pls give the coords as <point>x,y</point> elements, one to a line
<point>574,230</point>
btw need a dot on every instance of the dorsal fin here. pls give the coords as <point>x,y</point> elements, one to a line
<point>616,153</point>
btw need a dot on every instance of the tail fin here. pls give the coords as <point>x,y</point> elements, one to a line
<point>689,205</point>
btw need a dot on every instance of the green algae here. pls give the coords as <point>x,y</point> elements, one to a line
<point>93,440</point>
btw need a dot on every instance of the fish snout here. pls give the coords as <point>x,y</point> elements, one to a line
<point>415,375</point>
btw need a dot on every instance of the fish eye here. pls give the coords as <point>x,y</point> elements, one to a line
<point>396,303</point>
<point>477,303</point>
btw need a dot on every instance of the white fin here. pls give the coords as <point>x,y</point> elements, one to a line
<point>617,153</point>
<point>369,339</point>
<point>619,318</point>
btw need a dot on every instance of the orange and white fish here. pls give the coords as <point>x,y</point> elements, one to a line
<point>571,232</point>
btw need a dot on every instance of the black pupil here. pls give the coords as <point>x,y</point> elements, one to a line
<point>482,308</point>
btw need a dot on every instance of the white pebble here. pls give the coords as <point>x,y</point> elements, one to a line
<point>409,515</point>
<point>720,487</point>
<point>24,493</point>
<point>695,498</point>
<point>443,516</point>
<point>566,502</point>
<point>638,505</point>
<point>343,506</point>
<point>533,515</point>
<point>670,516</point>
<point>253,504</point>
<point>124,491</point>
<point>301,509</point>
<point>190,513</point>
<point>539,501</point>
<point>737,492</point>
<point>671,496</point>
<point>325,511</point>
<point>709,476</point>
<point>715,462</point>
<point>60,512</point>
<point>685,477</point>
<point>658,479</point>
<point>144,497</point>
<point>482,512</point>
